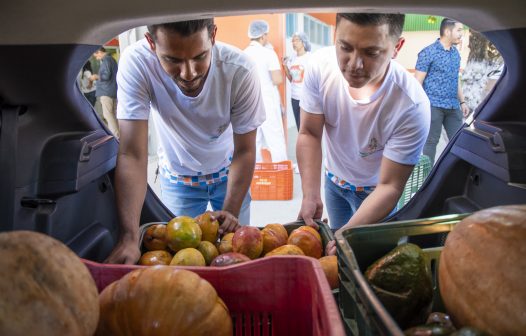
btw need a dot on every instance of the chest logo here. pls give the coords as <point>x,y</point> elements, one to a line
<point>372,147</point>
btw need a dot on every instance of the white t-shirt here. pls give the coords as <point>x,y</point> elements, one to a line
<point>266,61</point>
<point>195,133</point>
<point>394,122</point>
<point>297,65</point>
<point>84,82</point>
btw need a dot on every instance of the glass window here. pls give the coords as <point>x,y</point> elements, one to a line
<point>292,23</point>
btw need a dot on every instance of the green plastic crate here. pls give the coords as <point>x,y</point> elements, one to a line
<point>416,179</point>
<point>357,248</point>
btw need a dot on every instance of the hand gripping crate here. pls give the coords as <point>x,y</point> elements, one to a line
<point>358,248</point>
<point>272,181</point>
<point>281,295</point>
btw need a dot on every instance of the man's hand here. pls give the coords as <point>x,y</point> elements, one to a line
<point>229,222</point>
<point>330,249</point>
<point>465,110</point>
<point>94,77</point>
<point>126,252</point>
<point>309,211</point>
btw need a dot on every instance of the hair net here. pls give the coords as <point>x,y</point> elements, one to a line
<point>257,28</point>
<point>304,38</point>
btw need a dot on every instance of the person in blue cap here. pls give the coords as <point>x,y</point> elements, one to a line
<point>295,70</point>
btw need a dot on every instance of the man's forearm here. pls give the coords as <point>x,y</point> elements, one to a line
<point>239,178</point>
<point>130,191</point>
<point>460,94</point>
<point>308,151</point>
<point>376,206</point>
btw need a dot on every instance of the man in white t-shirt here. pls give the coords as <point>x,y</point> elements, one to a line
<point>270,135</point>
<point>375,116</point>
<point>205,101</point>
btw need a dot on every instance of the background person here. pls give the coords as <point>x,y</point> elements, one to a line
<point>295,70</point>
<point>271,134</point>
<point>86,85</point>
<point>107,88</point>
<point>206,104</point>
<point>437,69</point>
<point>373,115</point>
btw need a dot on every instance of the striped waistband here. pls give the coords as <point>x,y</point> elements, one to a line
<point>346,185</point>
<point>195,181</point>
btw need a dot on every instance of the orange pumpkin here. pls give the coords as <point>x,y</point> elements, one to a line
<point>482,273</point>
<point>162,300</point>
<point>45,289</point>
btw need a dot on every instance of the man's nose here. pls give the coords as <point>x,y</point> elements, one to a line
<point>355,62</point>
<point>188,71</point>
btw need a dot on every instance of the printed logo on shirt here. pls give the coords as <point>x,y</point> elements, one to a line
<point>297,72</point>
<point>220,131</point>
<point>372,148</point>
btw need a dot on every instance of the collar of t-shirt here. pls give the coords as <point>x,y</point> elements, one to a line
<point>378,93</point>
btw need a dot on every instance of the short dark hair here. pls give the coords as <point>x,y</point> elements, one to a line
<point>101,49</point>
<point>446,23</point>
<point>394,21</point>
<point>184,28</point>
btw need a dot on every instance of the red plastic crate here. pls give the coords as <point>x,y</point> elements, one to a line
<point>272,181</point>
<point>281,295</point>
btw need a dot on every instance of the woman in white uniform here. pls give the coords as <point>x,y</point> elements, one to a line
<point>270,134</point>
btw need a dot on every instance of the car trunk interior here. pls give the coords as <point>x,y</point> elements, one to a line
<point>57,158</point>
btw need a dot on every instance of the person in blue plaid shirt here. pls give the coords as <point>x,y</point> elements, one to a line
<point>437,69</point>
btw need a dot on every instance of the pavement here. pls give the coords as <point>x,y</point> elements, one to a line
<point>266,212</point>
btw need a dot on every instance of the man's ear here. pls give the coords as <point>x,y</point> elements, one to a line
<point>398,46</point>
<point>213,35</point>
<point>150,40</point>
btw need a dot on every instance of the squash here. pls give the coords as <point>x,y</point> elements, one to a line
<point>162,300</point>
<point>482,271</point>
<point>45,289</point>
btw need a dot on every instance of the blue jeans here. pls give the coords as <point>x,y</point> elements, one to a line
<point>183,200</point>
<point>341,203</point>
<point>296,110</point>
<point>452,121</point>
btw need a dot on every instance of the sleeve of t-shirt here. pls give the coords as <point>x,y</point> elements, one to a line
<point>248,111</point>
<point>310,100</point>
<point>132,92</point>
<point>273,64</point>
<point>406,144</point>
<point>424,60</point>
